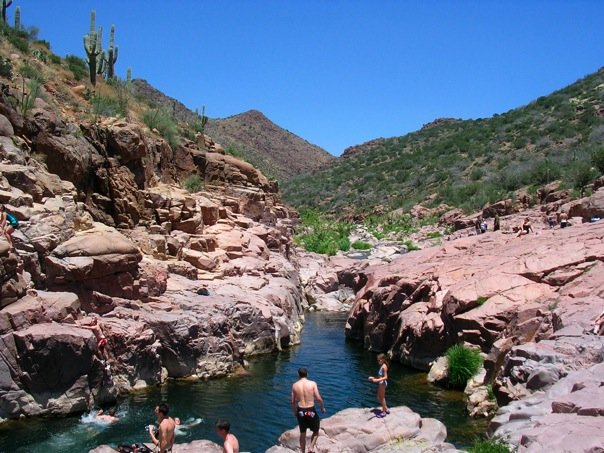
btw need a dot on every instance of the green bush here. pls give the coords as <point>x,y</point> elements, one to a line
<point>108,106</point>
<point>77,66</point>
<point>411,246</point>
<point>30,72</point>
<point>597,158</point>
<point>464,363</point>
<point>40,55</point>
<point>581,174</point>
<point>193,183</point>
<point>30,93</point>
<point>360,245</point>
<point>6,68</point>
<point>55,59</point>
<point>164,123</point>
<point>489,446</point>
<point>321,234</point>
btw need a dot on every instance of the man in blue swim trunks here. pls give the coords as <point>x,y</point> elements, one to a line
<point>304,393</point>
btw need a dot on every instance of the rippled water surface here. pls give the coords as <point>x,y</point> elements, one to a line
<point>257,405</point>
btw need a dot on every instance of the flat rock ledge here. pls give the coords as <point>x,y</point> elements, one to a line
<point>360,431</point>
<point>569,416</point>
<point>197,446</point>
<point>352,431</point>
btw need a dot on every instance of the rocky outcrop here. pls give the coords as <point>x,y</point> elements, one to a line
<point>360,431</point>
<point>196,446</point>
<point>180,284</point>
<point>478,290</point>
<point>569,416</point>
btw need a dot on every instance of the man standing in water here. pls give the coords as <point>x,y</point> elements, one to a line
<point>231,444</point>
<point>167,426</point>
<point>304,392</point>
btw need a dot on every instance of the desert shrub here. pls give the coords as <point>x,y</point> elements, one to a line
<point>544,172</point>
<point>489,446</point>
<point>164,123</point>
<point>360,245</point>
<point>107,106</point>
<point>30,72</point>
<point>77,66</point>
<point>40,55</point>
<point>321,234</point>
<point>464,363</point>
<point>481,300</point>
<point>434,235</point>
<point>597,159</point>
<point>55,59</point>
<point>28,97</point>
<point>44,43</point>
<point>411,246</point>
<point>6,68</point>
<point>193,183</point>
<point>234,151</point>
<point>581,173</point>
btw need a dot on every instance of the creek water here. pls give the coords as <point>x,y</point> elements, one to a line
<point>257,405</point>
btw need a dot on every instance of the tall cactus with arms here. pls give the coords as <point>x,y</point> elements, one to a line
<point>5,4</point>
<point>17,18</point>
<point>111,57</point>
<point>93,47</point>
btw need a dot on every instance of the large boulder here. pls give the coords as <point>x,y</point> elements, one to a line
<point>361,431</point>
<point>99,259</point>
<point>50,369</point>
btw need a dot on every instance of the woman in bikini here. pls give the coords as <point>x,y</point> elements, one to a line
<point>382,381</point>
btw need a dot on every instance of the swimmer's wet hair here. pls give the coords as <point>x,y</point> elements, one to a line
<point>302,372</point>
<point>223,425</point>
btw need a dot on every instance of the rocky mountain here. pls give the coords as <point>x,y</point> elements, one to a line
<point>180,282</point>
<point>277,152</point>
<point>251,136</point>
<point>468,163</point>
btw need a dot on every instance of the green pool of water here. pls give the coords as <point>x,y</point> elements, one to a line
<point>257,405</point>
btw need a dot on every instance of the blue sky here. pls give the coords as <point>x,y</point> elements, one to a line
<point>339,73</point>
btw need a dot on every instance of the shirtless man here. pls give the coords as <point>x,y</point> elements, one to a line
<point>108,417</point>
<point>101,340</point>
<point>165,437</point>
<point>231,444</point>
<point>304,392</point>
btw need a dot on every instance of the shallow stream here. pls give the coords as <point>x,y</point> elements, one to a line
<point>257,405</point>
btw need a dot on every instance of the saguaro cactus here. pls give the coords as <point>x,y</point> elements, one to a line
<point>111,57</point>
<point>5,4</point>
<point>17,18</point>
<point>93,47</point>
<point>129,75</point>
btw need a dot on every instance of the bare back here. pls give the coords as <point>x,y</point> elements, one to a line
<point>231,444</point>
<point>166,433</point>
<point>304,391</point>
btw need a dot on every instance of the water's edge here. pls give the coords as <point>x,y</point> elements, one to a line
<point>257,405</point>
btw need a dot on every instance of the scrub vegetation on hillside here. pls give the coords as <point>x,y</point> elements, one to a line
<point>469,163</point>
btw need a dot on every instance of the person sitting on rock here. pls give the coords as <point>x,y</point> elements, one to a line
<point>525,228</point>
<point>564,220</point>
<point>551,221</point>
<point>8,224</point>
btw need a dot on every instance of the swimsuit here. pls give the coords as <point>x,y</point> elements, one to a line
<point>308,419</point>
<point>381,374</point>
<point>526,228</point>
<point>102,342</point>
